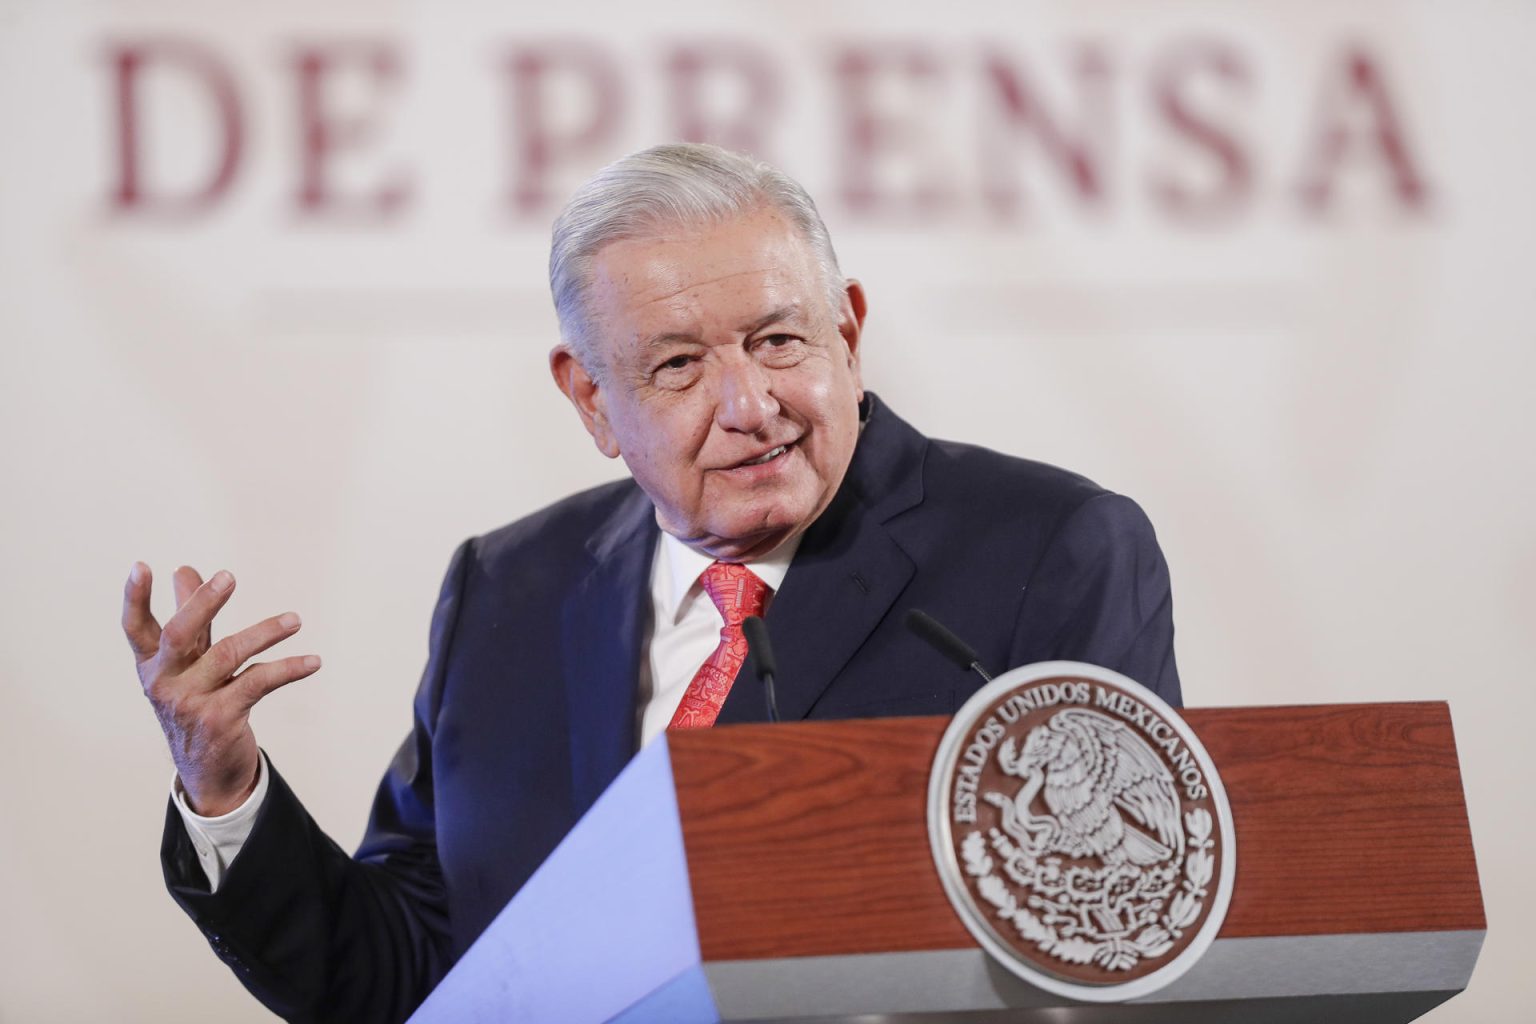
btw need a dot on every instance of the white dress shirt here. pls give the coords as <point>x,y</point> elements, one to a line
<point>685,629</point>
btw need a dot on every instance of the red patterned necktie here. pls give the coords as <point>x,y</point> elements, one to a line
<point>738,594</point>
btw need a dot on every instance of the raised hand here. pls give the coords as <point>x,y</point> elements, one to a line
<point>197,688</point>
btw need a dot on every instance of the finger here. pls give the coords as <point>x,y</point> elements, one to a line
<point>182,633</point>
<point>187,580</point>
<point>139,623</point>
<point>224,658</point>
<point>265,676</point>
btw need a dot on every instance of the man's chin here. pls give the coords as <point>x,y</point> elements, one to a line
<point>747,549</point>
<point>745,542</point>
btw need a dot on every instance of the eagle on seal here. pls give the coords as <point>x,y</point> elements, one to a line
<point>1093,770</point>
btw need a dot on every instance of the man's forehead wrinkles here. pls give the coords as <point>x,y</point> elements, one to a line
<point>692,285</point>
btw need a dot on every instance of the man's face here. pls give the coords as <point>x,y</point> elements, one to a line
<point>727,384</point>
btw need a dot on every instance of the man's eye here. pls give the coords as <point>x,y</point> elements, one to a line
<point>778,344</point>
<point>781,350</point>
<point>677,363</point>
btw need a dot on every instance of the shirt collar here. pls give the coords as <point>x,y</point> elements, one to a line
<point>682,566</point>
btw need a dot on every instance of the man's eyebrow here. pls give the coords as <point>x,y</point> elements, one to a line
<point>788,314</point>
<point>668,338</point>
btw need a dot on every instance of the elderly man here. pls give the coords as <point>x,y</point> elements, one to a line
<point>710,341</point>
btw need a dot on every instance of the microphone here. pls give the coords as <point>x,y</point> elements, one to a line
<point>760,653</point>
<point>945,642</point>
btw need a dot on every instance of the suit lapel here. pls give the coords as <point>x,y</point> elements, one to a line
<point>603,622</point>
<point>845,576</point>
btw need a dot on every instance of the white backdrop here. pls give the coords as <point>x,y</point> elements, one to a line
<point>1263,267</point>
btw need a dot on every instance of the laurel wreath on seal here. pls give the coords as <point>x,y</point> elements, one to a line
<point>1116,952</point>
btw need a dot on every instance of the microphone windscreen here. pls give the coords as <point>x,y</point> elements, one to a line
<point>756,631</point>
<point>941,639</point>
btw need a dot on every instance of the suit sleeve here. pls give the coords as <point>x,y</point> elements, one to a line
<point>1100,594</point>
<point>317,935</point>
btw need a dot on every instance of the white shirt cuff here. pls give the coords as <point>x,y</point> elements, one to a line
<point>218,840</point>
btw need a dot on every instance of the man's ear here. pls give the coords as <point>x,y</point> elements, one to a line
<point>586,394</point>
<point>851,327</point>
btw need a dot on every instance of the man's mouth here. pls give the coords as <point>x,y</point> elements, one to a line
<point>767,456</point>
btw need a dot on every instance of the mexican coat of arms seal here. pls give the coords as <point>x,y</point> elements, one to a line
<point>1081,831</point>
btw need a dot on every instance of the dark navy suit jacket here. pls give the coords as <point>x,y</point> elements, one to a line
<point>527,707</point>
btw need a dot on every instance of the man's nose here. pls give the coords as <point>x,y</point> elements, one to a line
<point>746,401</point>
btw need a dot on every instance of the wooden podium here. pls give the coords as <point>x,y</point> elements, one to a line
<point>783,872</point>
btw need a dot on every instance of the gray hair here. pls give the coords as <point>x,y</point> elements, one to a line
<point>680,183</point>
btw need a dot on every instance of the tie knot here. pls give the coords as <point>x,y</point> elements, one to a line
<point>736,591</point>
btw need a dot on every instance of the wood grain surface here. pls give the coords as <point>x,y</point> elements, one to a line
<point>811,839</point>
